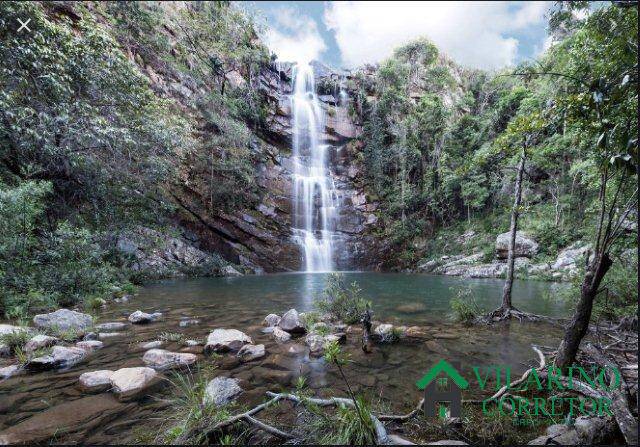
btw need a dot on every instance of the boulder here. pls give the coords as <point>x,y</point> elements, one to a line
<point>139,317</point>
<point>162,359</point>
<point>280,335</point>
<point>384,331</point>
<point>428,266</point>
<point>228,270</point>
<point>525,246</point>
<point>40,341</point>
<point>223,340</point>
<point>64,320</point>
<point>96,381</point>
<point>9,329</point>
<point>90,336</point>
<point>220,391</point>
<point>272,320</point>
<point>571,257</point>
<point>251,352</point>
<point>291,323</point>
<point>60,357</point>
<point>89,345</point>
<point>129,383</point>
<point>111,326</point>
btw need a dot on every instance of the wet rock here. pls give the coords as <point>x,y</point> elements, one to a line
<point>273,377</point>
<point>60,357</point>
<point>268,330</point>
<point>339,337</point>
<point>280,335</point>
<point>64,320</point>
<point>192,343</point>
<point>221,390</point>
<point>152,344</point>
<point>90,336</point>
<point>162,359</point>
<point>130,383</point>
<point>291,322</point>
<point>525,246</point>
<point>384,331</point>
<point>40,341</point>
<point>315,343</point>
<point>190,322</point>
<point>96,381</point>
<point>447,442</point>
<point>139,317</point>
<point>223,340</point>
<point>272,320</point>
<point>251,352</point>
<point>87,413</point>
<point>9,371</point>
<point>428,266</point>
<point>111,326</point>
<point>228,270</point>
<point>89,345</point>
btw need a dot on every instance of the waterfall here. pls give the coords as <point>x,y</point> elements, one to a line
<point>314,193</point>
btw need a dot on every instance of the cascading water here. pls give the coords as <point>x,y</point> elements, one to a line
<point>314,193</point>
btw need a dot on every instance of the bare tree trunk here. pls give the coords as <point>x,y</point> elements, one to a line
<point>515,213</point>
<point>577,329</point>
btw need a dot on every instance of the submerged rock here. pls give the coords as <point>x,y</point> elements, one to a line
<point>251,352</point>
<point>223,340</point>
<point>130,383</point>
<point>96,381</point>
<point>189,322</point>
<point>291,323</point>
<point>40,341</point>
<point>60,357</point>
<point>162,359</point>
<point>64,320</point>
<point>90,345</point>
<point>280,335</point>
<point>221,390</point>
<point>272,320</point>
<point>315,343</point>
<point>111,326</point>
<point>103,335</point>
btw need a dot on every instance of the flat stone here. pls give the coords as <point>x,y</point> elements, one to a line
<point>111,326</point>
<point>291,323</point>
<point>152,344</point>
<point>223,340</point>
<point>64,320</point>
<point>87,413</point>
<point>103,335</point>
<point>130,383</point>
<point>251,352</point>
<point>40,341</point>
<point>162,359</point>
<point>280,335</point>
<point>96,381</point>
<point>90,345</point>
<point>191,322</point>
<point>9,371</point>
<point>60,357</point>
<point>272,320</point>
<point>221,390</point>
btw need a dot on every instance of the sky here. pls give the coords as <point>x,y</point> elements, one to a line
<point>486,35</point>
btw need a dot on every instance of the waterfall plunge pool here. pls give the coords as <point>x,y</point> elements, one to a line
<point>388,373</point>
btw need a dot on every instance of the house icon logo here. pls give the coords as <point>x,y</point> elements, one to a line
<point>444,389</point>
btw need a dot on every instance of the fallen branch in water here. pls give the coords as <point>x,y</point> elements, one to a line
<point>381,433</point>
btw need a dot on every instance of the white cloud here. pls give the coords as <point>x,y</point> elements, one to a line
<point>294,37</point>
<point>474,34</point>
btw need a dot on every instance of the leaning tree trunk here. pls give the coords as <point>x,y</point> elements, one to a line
<point>580,322</point>
<point>515,213</point>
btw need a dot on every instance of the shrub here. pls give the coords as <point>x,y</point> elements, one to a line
<point>342,302</point>
<point>15,340</point>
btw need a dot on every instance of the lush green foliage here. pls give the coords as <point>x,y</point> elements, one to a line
<point>464,307</point>
<point>343,302</point>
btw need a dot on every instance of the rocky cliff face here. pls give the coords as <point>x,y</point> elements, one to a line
<point>259,238</point>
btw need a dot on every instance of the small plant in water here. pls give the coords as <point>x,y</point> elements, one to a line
<point>172,337</point>
<point>464,307</point>
<point>342,302</point>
